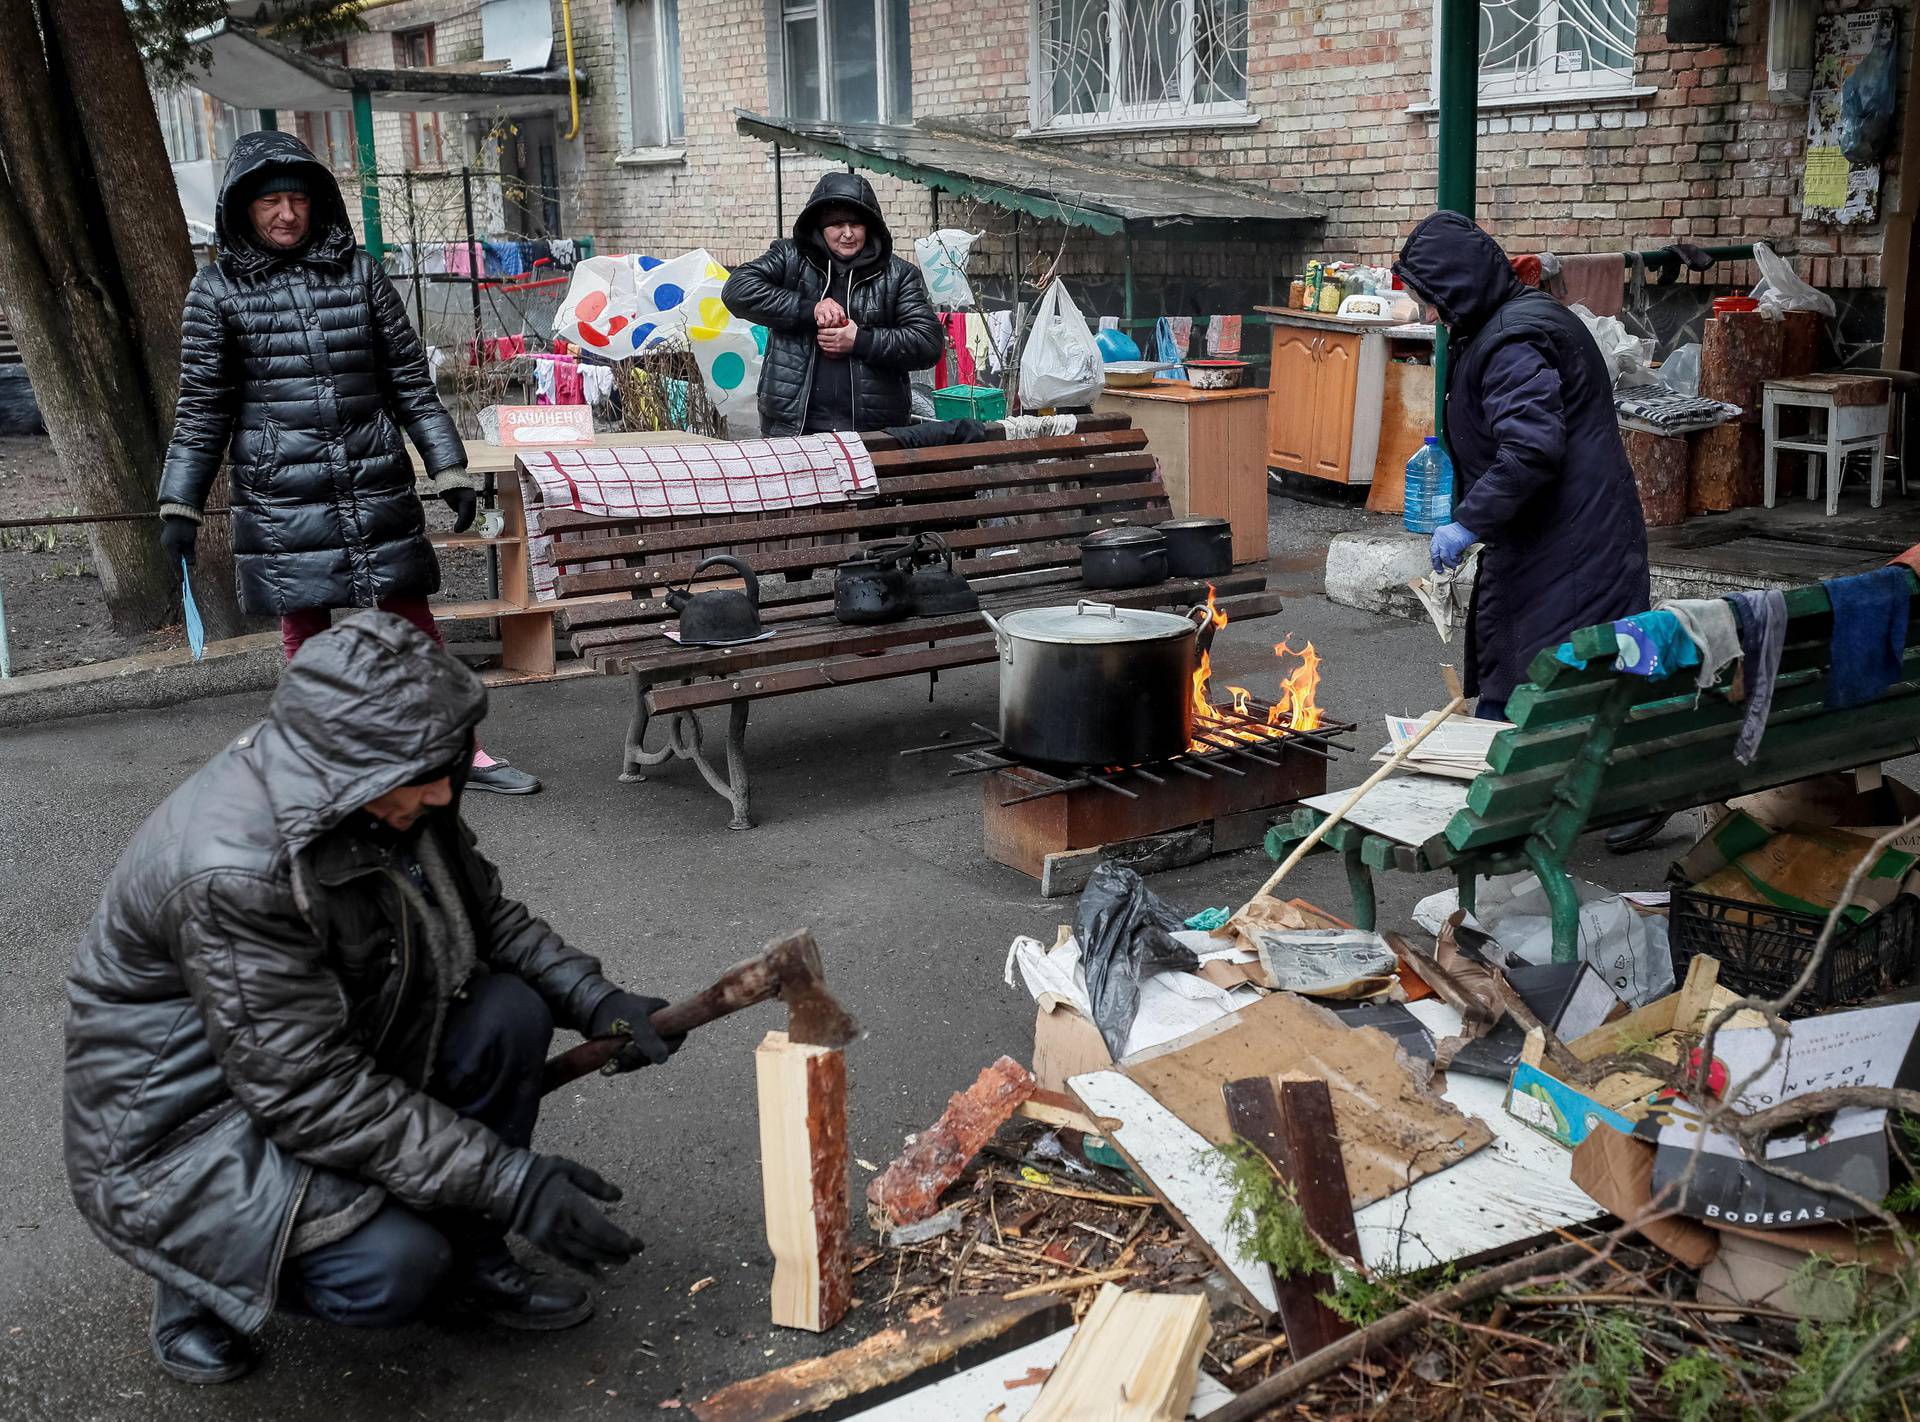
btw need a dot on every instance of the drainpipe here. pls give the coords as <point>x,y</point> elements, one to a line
<point>1459,42</point>
<point>369,179</point>
<point>573,75</point>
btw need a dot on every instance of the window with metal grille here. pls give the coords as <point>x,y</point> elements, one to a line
<point>847,60</point>
<point>1139,63</point>
<point>1554,48</point>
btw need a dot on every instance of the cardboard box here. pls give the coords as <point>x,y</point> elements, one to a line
<point>1065,1044</point>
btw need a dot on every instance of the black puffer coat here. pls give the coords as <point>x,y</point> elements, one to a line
<point>1542,477</point>
<point>888,302</point>
<point>301,370</point>
<point>254,1000</point>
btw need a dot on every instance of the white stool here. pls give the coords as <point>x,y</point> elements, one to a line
<point>1855,419</point>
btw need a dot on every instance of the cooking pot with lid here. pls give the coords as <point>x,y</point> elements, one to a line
<point>1123,558</point>
<point>1198,547</point>
<point>1096,685</point>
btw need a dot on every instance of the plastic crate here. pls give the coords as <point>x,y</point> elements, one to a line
<point>970,402</point>
<point>1762,950</point>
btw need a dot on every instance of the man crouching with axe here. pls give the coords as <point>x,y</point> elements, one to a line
<point>307,1030</point>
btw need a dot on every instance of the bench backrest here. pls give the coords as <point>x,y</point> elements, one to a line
<point>1599,745</point>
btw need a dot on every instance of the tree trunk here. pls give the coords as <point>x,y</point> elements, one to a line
<point>95,262</point>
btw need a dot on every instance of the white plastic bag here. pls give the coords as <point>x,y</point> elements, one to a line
<point>1627,354</point>
<point>1780,290</point>
<point>1680,372</point>
<point>601,306</point>
<point>943,262</point>
<point>1061,364</point>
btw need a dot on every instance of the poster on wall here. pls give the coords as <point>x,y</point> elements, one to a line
<point>1832,189</point>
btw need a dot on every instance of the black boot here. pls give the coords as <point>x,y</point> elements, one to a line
<point>190,1344</point>
<point>498,1287</point>
<point>1635,834</point>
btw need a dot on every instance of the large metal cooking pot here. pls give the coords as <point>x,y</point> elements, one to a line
<point>1096,685</point>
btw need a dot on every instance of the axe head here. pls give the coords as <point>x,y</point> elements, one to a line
<point>814,1016</point>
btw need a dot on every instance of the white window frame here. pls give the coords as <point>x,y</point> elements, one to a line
<point>1120,117</point>
<point>1544,86</point>
<point>665,78</point>
<point>786,11</point>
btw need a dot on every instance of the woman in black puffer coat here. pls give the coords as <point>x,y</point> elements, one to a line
<point>298,367</point>
<point>844,328</point>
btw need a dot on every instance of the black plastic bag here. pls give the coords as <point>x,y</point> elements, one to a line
<point>1125,932</point>
<point>1867,104</point>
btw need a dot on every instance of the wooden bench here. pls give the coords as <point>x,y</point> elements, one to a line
<point>1012,511</point>
<point>1600,746</point>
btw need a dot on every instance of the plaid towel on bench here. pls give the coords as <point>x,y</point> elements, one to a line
<point>688,481</point>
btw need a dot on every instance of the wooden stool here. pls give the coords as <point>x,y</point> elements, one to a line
<point>1856,419</point>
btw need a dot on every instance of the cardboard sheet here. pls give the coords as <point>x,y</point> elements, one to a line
<point>1411,809</point>
<point>1393,1128</point>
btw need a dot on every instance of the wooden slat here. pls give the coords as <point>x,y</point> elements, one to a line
<point>1135,509</point>
<point>573,552</point>
<point>939,457</point>
<point>1006,476</point>
<point>877,440</point>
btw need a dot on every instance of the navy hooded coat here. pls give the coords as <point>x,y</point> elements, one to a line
<point>1541,477</point>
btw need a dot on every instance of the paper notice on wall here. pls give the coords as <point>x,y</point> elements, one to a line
<point>1826,178</point>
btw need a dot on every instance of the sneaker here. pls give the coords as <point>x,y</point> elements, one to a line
<point>1635,834</point>
<point>501,779</point>
<point>191,1344</point>
<point>504,1291</point>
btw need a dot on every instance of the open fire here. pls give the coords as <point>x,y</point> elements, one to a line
<point>1247,719</point>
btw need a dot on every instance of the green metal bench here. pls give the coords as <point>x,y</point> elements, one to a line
<point>1596,747</point>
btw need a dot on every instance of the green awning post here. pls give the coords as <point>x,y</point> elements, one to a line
<point>270,119</point>
<point>1459,42</point>
<point>369,179</point>
<point>1126,307</point>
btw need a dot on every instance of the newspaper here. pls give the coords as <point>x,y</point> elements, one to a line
<point>1459,748</point>
<point>1445,594</point>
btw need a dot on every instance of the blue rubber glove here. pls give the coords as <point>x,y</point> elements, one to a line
<point>1450,544</point>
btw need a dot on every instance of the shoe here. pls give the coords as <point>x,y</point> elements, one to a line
<point>1635,834</point>
<point>504,1291</point>
<point>191,1344</point>
<point>501,779</point>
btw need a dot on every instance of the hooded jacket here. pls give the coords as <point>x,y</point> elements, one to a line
<point>258,1000</point>
<point>1542,478</point>
<point>885,296</point>
<point>300,369</point>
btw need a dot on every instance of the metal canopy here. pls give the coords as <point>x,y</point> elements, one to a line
<point>249,71</point>
<point>1110,198</point>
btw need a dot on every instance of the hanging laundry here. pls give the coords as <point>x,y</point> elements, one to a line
<point>1597,282</point>
<point>544,391</point>
<point>1709,622</point>
<point>1526,267</point>
<point>1649,644</point>
<point>564,253</point>
<point>400,259</point>
<point>1223,335</point>
<point>433,258</point>
<point>1170,337</point>
<point>465,259</point>
<point>956,363</point>
<point>1000,330</point>
<point>1763,635</point>
<point>539,253</point>
<point>596,383</point>
<point>1869,634</point>
<point>505,258</point>
<point>980,344</point>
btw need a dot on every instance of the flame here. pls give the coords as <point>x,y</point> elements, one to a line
<point>1296,706</point>
<point>1295,709</point>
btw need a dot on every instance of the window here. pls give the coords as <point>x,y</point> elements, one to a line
<point>1142,63</point>
<point>847,60</point>
<point>228,124</point>
<point>656,115</point>
<point>328,133</point>
<point>1554,48</point>
<point>413,49</point>
<point>181,123</point>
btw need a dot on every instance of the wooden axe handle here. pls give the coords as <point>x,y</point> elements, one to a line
<point>742,985</point>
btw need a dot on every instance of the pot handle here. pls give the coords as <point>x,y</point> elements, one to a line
<point>1002,643</point>
<point>1080,608</point>
<point>739,566</point>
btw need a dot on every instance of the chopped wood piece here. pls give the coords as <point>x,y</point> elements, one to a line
<point>1294,1130</point>
<point>803,1180</point>
<point>1135,1358</point>
<point>948,1340</point>
<point>1064,1286</point>
<point>910,1188</point>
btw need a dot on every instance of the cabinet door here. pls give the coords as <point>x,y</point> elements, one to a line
<point>1333,397</point>
<point>1291,399</point>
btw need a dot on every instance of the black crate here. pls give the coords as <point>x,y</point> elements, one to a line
<point>1763,950</point>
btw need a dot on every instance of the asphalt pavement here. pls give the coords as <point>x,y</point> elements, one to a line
<point>879,854</point>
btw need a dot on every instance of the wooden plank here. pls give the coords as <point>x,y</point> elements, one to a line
<point>804,525</point>
<point>1067,871</point>
<point>1181,1169</point>
<point>1103,468</point>
<point>803,1180</point>
<point>1294,1129</point>
<point>896,1360</point>
<point>939,457</point>
<point>1135,1358</point>
<point>877,440</point>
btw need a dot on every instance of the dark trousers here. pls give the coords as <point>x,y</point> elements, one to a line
<point>387,1272</point>
<point>1490,710</point>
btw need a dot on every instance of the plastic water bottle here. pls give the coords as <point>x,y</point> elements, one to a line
<point>1429,496</point>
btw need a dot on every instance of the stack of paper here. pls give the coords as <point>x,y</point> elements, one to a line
<point>1458,748</point>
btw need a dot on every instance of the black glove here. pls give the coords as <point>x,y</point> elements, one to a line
<point>556,1213</point>
<point>627,1014</point>
<point>178,536</point>
<point>465,504</point>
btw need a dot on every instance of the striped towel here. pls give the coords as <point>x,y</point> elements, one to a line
<point>688,481</point>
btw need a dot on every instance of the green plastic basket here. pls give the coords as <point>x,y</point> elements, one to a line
<point>970,402</point>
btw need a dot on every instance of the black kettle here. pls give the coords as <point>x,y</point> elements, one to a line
<point>873,587</point>
<point>933,587</point>
<point>718,617</point>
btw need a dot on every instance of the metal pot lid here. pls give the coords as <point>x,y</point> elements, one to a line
<point>1094,624</point>
<point>1195,523</point>
<point>1123,538</point>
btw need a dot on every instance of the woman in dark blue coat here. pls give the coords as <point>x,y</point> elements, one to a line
<point>1542,479</point>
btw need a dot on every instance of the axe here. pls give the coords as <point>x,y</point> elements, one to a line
<point>789,969</point>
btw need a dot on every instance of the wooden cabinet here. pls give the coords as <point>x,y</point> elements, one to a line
<point>1323,408</point>
<point>1208,443</point>
<point>1334,391</point>
<point>1290,398</point>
